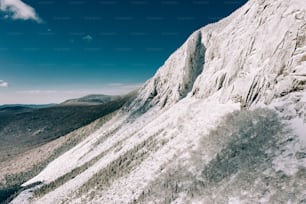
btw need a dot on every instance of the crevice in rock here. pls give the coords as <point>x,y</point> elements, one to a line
<point>195,64</point>
<point>254,91</point>
<point>220,81</point>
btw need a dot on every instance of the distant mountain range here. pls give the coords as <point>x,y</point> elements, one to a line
<point>16,106</point>
<point>25,128</point>
<point>92,100</point>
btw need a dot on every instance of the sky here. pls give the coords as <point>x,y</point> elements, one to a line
<point>53,50</point>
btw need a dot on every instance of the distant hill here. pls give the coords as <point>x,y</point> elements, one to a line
<point>23,127</point>
<point>8,106</point>
<point>92,100</point>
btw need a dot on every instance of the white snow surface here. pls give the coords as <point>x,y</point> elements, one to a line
<point>181,138</point>
<point>255,57</point>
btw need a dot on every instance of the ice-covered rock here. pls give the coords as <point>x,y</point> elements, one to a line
<point>175,79</point>
<point>254,56</point>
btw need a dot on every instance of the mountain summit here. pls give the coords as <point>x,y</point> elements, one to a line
<point>222,121</point>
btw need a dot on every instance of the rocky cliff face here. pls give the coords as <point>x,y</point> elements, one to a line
<point>264,58</point>
<point>176,78</point>
<point>254,56</point>
<point>200,137</point>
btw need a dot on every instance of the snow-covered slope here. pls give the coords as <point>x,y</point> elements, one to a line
<point>183,134</point>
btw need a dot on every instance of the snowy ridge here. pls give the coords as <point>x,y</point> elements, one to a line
<point>254,58</point>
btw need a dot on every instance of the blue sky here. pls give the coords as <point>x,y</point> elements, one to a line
<point>54,50</point>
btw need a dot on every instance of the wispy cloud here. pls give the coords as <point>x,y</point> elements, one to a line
<point>3,84</point>
<point>16,9</point>
<point>88,38</point>
<point>116,87</point>
<point>33,92</point>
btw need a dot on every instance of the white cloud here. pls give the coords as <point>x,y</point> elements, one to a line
<point>123,87</point>
<point>16,9</point>
<point>88,38</point>
<point>115,84</point>
<point>3,84</point>
<point>38,92</point>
